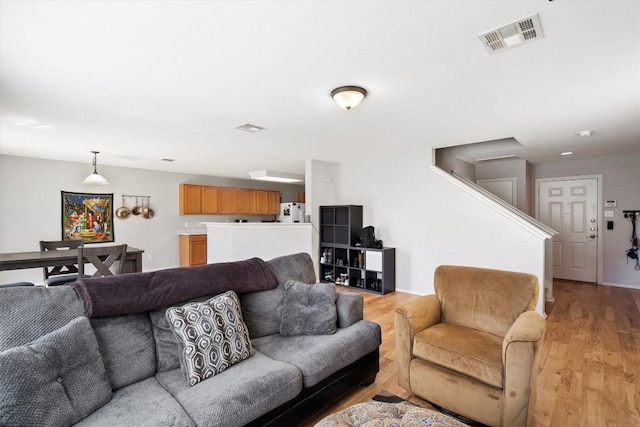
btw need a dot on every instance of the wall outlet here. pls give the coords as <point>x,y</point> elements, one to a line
<point>610,204</point>
<point>608,214</point>
<point>420,274</point>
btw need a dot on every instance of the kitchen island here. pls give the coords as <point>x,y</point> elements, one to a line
<point>266,240</point>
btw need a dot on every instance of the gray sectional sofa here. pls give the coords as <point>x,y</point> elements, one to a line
<point>69,359</point>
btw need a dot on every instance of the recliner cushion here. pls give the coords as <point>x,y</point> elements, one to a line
<point>465,350</point>
<point>484,299</point>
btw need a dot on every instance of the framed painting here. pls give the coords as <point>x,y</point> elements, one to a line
<point>87,217</point>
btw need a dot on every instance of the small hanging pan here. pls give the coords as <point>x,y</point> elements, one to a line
<point>149,213</point>
<point>123,212</point>
<point>136,209</point>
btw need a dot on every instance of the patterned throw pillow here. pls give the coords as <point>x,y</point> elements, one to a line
<point>212,336</point>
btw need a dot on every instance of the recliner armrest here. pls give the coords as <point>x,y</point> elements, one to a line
<point>410,319</point>
<point>528,327</point>
<point>520,352</point>
<point>350,308</point>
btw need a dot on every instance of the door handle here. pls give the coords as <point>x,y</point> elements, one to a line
<point>593,236</point>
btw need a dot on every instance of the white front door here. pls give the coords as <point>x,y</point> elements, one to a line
<point>570,207</point>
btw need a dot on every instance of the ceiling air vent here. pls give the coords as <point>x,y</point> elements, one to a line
<point>516,33</point>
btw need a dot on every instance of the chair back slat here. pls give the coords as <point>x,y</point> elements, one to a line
<point>102,258</point>
<point>58,245</point>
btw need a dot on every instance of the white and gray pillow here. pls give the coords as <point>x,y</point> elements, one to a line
<point>308,309</point>
<point>57,379</point>
<point>211,334</point>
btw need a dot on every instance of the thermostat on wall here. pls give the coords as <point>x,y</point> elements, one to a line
<point>610,204</point>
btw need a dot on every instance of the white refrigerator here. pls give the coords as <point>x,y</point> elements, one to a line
<point>291,212</point>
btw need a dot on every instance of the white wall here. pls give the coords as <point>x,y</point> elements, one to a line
<point>621,182</point>
<point>431,222</point>
<point>319,189</point>
<point>30,207</point>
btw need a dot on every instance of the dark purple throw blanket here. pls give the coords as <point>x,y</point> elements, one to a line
<point>140,292</point>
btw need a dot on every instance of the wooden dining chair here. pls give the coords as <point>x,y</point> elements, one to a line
<point>60,275</point>
<point>102,259</point>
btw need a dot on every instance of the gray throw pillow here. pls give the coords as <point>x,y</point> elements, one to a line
<point>211,334</point>
<point>58,379</point>
<point>308,309</point>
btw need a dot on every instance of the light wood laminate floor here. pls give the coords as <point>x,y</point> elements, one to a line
<point>589,370</point>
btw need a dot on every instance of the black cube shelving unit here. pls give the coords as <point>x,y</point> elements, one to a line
<point>345,263</point>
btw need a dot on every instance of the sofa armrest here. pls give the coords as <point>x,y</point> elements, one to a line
<point>520,351</point>
<point>350,308</point>
<point>410,319</point>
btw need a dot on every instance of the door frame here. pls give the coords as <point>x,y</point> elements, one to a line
<point>514,187</point>
<point>599,210</point>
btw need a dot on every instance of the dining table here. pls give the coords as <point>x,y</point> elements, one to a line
<point>40,259</point>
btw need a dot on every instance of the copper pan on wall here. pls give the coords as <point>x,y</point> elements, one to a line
<point>123,212</point>
<point>148,212</point>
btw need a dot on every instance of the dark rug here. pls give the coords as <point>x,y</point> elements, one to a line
<point>385,396</point>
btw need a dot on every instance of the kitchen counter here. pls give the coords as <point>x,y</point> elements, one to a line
<point>235,241</point>
<point>192,231</point>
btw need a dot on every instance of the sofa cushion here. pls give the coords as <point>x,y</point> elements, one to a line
<point>262,311</point>
<point>212,336</point>
<point>31,312</point>
<point>308,309</point>
<point>57,379</point>
<point>167,347</point>
<point>127,347</point>
<point>240,394</point>
<point>142,404</point>
<point>465,350</point>
<point>321,355</point>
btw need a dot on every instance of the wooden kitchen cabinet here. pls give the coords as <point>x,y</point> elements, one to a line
<point>267,202</point>
<point>246,201</point>
<point>227,200</point>
<point>190,199</point>
<point>209,200</point>
<point>198,199</point>
<point>192,249</point>
<point>274,203</point>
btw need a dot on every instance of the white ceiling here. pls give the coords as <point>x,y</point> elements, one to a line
<point>144,80</point>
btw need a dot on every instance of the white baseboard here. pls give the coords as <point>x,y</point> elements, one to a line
<point>410,292</point>
<point>622,285</point>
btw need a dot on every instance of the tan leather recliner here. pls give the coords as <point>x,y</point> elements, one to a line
<point>472,348</point>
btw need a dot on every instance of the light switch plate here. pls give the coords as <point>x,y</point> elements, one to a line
<point>608,214</point>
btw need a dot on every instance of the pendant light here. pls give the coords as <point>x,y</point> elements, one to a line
<point>95,178</point>
<point>348,97</point>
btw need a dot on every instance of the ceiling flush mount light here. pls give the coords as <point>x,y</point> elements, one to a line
<point>566,153</point>
<point>348,97</point>
<point>95,178</point>
<point>266,175</point>
<point>585,132</point>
